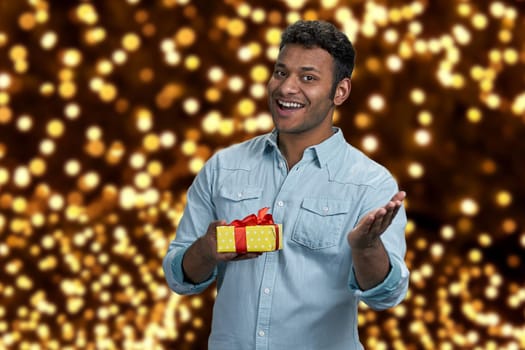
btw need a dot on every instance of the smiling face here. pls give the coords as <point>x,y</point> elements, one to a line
<point>299,92</point>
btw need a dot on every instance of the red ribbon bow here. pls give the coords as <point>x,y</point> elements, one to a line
<point>262,218</point>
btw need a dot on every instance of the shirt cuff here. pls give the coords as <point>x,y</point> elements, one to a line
<point>387,293</point>
<point>176,277</point>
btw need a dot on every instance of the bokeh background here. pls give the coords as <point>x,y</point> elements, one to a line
<point>108,109</point>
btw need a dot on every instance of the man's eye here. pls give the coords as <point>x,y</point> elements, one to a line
<point>279,73</point>
<point>308,77</point>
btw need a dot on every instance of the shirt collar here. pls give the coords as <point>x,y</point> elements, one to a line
<point>322,152</point>
<point>327,149</point>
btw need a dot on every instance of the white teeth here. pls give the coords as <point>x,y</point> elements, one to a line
<point>290,104</point>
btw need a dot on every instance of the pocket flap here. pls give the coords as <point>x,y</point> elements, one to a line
<point>240,193</point>
<point>326,207</point>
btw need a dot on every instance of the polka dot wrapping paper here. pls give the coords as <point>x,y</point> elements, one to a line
<point>251,234</point>
<point>259,238</point>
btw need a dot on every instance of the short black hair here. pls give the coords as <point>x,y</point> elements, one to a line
<point>326,36</point>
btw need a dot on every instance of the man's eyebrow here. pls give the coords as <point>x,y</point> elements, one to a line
<point>304,69</point>
<point>310,69</point>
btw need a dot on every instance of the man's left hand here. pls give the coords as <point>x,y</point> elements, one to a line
<point>368,231</point>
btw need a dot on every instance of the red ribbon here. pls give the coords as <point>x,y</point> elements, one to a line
<point>262,218</point>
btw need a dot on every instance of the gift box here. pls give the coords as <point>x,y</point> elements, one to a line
<point>254,233</point>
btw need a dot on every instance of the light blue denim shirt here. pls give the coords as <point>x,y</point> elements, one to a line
<point>304,296</point>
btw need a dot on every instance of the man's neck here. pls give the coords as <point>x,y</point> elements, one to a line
<point>292,146</point>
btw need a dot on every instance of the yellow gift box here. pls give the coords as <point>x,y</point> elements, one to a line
<point>251,234</point>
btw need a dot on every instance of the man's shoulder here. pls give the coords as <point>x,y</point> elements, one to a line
<point>358,168</point>
<point>242,154</point>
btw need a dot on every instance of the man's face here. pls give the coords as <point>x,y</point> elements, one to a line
<point>299,90</point>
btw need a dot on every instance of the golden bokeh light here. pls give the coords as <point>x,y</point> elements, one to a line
<point>108,111</point>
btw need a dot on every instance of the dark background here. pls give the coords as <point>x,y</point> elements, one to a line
<point>109,108</point>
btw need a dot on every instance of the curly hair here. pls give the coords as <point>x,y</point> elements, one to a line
<point>324,35</point>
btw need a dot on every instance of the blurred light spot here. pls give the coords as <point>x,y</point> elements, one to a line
<point>376,102</point>
<point>370,143</point>
<point>469,207</point>
<point>416,170</point>
<point>422,137</point>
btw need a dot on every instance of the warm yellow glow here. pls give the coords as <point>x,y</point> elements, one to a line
<point>423,137</point>
<point>273,36</point>
<point>131,42</point>
<point>5,80</point>
<point>192,62</point>
<point>503,198</point>
<point>215,74</point>
<point>144,119</point>
<point>447,232</point>
<point>469,206</point>
<point>236,27</point>
<point>185,36</point>
<point>394,63</point>
<point>236,84</point>
<point>24,123</point>
<point>22,176</point>
<point>213,94</point>
<point>211,122</point>
<point>87,13</point>
<point>260,74</point>
<point>246,107</point>
<point>417,96</point>
<point>376,102</point>
<point>108,110</point>
<point>191,106</point>
<point>72,57</point>
<point>370,143</point>
<point>416,170</point>
<point>72,167</point>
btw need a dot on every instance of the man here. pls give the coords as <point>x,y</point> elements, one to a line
<point>342,215</point>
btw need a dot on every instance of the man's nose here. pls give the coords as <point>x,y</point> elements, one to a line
<point>289,85</point>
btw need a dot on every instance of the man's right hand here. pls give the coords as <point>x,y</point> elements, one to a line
<point>202,256</point>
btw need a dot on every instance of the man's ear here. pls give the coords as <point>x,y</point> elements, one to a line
<point>342,91</point>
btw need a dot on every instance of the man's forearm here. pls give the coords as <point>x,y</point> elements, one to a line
<point>196,267</point>
<point>371,266</point>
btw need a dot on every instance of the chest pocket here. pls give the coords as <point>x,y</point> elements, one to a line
<point>235,202</point>
<point>320,222</point>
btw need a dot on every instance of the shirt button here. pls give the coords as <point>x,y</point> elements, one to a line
<point>325,209</point>
<point>239,194</point>
<point>280,203</point>
<point>261,333</point>
<point>266,290</point>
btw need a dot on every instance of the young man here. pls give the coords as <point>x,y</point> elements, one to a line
<point>342,215</point>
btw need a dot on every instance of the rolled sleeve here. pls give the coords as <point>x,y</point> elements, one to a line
<point>197,215</point>
<point>388,293</point>
<point>175,277</point>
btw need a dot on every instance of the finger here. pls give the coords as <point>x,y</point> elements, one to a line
<point>365,224</point>
<point>399,196</point>
<point>227,256</point>
<point>377,224</point>
<point>246,256</point>
<point>396,210</point>
<point>392,210</point>
<point>388,218</point>
<point>213,225</point>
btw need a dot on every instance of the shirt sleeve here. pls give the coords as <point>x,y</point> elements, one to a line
<point>174,274</point>
<point>392,290</point>
<point>198,214</point>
